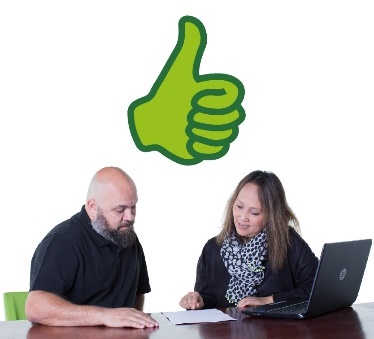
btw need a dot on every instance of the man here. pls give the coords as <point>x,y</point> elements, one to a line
<point>90,269</point>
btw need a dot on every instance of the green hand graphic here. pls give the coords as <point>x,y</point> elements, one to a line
<point>186,116</point>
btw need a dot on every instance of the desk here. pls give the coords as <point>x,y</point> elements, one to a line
<point>353,322</point>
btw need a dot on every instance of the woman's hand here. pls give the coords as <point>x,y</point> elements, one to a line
<point>192,301</point>
<point>255,301</point>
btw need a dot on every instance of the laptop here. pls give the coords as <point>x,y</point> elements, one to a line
<point>336,284</point>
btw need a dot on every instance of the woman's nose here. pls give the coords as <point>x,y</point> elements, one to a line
<point>244,216</point>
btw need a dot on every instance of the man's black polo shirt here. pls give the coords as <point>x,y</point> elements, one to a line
<point>75,262</point>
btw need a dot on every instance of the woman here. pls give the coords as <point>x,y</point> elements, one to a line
<point>258,257</point>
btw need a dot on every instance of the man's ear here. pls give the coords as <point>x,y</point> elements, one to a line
<point>91,208</point>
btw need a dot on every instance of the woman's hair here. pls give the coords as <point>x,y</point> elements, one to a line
<point>278,216</point>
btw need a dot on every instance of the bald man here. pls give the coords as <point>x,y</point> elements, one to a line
<point>90,269</point>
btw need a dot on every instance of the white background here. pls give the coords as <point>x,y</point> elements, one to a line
<point>70,69</point>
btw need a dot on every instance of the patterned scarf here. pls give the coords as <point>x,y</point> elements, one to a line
<point>244,262</point>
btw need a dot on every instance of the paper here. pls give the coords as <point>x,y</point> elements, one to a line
<point>197,316</point>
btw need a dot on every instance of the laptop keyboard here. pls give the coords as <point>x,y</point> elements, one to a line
<point>292,309</point>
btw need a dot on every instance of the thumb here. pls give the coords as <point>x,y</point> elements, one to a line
<point>183,64</point>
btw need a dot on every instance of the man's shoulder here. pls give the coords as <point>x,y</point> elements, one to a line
<point>70,228</point>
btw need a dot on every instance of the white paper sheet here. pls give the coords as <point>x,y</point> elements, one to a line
<point>197,316</point>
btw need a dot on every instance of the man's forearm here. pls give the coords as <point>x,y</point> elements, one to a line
<point>49,309</point>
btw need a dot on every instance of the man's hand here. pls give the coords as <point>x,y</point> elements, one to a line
<point>127,317</point>
<point>192,301</point>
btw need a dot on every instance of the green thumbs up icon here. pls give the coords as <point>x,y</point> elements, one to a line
<point>186,116</point>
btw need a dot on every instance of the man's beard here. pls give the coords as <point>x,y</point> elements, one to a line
<point>122,239</point>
